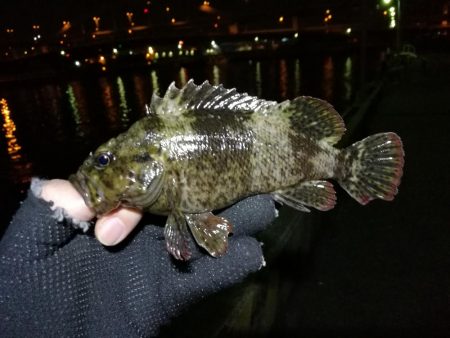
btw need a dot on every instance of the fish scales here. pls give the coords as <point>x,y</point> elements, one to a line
<point>202,148</point>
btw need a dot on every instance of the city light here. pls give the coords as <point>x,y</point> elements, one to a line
<point>77,63</point>
<point>96,20</point>
<point>281,19</point>
<point>348,30</point>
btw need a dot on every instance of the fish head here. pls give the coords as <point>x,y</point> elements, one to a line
<point>120,173</point>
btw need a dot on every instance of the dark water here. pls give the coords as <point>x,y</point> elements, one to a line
<point>50,126</point>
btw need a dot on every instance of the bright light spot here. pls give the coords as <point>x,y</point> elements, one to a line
<point>170,54</point>
<point>77,63</point>
<point>214,44</point>
<point>104,68</point>
<point>173,20</point>
<point>130,52</point>
<point>150,50</point>
<point>167,9</point>
<point>387,2</point>
<point>180,44</point>
<point>392,24</point>
<point>281,19</point>
<point>62,52</point>
<point>256,39</point>
<point>348,30</point>
<point>296,35</point>
<point>115,51</point>
<point>327,11</point>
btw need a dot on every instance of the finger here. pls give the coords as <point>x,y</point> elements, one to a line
<point>251,215</point>
<point>112,228</point>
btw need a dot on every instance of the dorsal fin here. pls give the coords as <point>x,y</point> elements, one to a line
<point>313,117</point>
<point>206,98</point>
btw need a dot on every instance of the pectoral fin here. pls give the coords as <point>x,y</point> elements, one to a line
<point>316,194</point>
<point>177,236</point>
<point>210,232</point>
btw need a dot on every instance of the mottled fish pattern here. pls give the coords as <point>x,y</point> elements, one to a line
<point>204,147</point>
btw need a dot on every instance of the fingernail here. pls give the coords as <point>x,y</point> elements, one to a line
<point>111,232</point>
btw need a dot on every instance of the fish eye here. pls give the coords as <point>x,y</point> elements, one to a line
<point>103,160</point>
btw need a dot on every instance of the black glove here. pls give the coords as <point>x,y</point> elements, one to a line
<point>57,281</point>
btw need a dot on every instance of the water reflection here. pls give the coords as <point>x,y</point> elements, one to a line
<point>283,79</point>
<point>184,77</point>
<point>21,169</point>
<point>348,78</point>
<point>9,129</point>
<point>79,109</point>
<point>297,77</point>
<point>328,78</point>
<point>112,112</point>
<point>141,90</point>
<point>155,81</point>
<point>258,79</point>
<point>216,75</point>
<point>124,118</point>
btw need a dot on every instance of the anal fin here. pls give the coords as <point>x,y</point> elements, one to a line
<point>316,194</point>
<point>210,232</point>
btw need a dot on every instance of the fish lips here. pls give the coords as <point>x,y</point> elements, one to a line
<point>96,203</point>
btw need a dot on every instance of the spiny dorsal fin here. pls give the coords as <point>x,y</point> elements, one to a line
<point>206,98</point>
<point>314,117</point>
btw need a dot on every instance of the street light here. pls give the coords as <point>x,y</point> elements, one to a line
<point>97,23</point>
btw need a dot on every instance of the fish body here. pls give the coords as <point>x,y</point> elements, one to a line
<point>202,148</point>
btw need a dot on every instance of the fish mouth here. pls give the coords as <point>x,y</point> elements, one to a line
<point>79,182</point>
<point>93,198</point>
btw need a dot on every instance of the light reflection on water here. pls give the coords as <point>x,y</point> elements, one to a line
<point>283,79</point>
<point>125,120</point>
<point>328,78</point>
<point>18,162</point>
<point>155,82</point>
<point>348,77</point>
<point>9,129</point>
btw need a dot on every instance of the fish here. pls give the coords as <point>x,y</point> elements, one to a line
<point>201,148</point>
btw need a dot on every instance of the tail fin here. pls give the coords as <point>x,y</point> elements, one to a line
<point>372,168</point>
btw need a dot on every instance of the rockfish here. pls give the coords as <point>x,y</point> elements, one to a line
<point>201,148</point>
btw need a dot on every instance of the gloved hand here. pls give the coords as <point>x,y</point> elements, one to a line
<point>57,281</point>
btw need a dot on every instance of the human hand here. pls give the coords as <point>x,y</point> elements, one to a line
<point>110,229</point>
<point>57,281</point>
